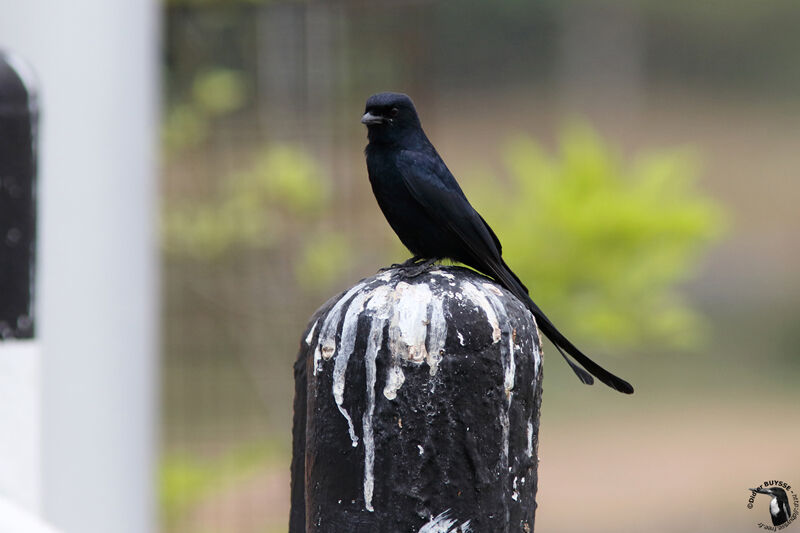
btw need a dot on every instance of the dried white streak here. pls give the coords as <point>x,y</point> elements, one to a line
<point>443,274</point>
<point>408,329</point>
<point>378,306</point>
<point>310,335</point>
<point>373,345</point>
<point>537,365</point>
<point>537,350</point>
<point>407,332</point>
<point>509,371</point>
<point>509,365</point>
<point>394,380</point>
<point>349,328</point>
<point>442,523</point>
<point>493,289</point>
<point>536,342</point>
<point>437,334</point>
<point>479,299</point>
<point>326,343</point>
<point>509,362</point>
<point>529,450</point>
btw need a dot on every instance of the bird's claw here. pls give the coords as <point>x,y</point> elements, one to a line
<point>415,269</point>
<point>411,268</point>
<point>405,264</point>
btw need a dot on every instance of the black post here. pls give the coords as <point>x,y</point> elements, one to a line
<point>417,409</point>
<point>18,117</point>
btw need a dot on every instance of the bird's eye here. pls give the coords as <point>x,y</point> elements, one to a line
<point>394,112</point>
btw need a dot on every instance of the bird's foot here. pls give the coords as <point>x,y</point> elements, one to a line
<point>415,269</point>
<point>405,264</point>
<point>411,261</point>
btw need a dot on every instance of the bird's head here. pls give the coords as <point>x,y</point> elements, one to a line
<point>772,491</point>
<point>389,116</point>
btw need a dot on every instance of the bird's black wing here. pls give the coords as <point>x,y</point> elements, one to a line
<point>432,185</point>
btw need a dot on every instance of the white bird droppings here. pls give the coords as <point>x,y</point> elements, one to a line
<point>413,319</point>
<point>443,274</point>
<point>394,380</point>
<point>310,335</point>
<point>529,449</point>
<point>507,359</point>
<point>509,363</point>
<point>442,523</point>
<point>375,338</point>
<point>408,327</point>
<point>493,288</point>
<point>417,332</point>
<point>479,299</point>
<point>326,344</point>
<point>437,334</point>
<point>348,337</point>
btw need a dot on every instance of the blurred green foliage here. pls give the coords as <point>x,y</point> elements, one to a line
<point>246,212</point>
<point>213,93</point>
<point>279,199</point>
<point>603,245</point>
<point>219,91</point>
<point>323,259</point>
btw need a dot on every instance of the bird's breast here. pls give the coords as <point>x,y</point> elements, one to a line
<point>415,227</point>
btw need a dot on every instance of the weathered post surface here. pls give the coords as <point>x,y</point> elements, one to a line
<point>20,356</point>
<point>417,409</point>
<point>18,120</point>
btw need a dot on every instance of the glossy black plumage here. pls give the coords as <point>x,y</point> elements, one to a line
<point>430,214</point>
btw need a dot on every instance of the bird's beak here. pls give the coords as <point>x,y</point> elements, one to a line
<point>369,119</point>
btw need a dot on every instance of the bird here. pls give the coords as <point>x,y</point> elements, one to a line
<point>431,215</point>
<point>778,505</point>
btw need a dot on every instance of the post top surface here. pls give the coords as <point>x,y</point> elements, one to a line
<point>17,83</point>
<point>420,314</point>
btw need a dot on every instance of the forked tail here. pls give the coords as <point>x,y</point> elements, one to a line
<point>507,278</point>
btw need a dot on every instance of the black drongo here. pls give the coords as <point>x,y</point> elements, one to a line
<point>429,212</point>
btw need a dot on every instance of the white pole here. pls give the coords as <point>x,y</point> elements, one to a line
<point>96,62</point>
<point>19,520</point>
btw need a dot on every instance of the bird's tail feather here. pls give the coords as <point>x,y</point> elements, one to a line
<point>585,377</point>
<point>507,277</point>
<point>593,368</point>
